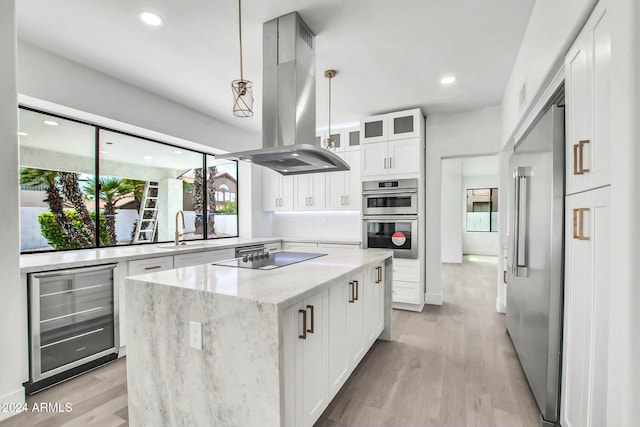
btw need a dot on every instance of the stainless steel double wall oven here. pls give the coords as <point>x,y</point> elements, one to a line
<point>390,216</point>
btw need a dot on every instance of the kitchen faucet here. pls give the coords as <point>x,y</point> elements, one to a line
<point>177,235</point>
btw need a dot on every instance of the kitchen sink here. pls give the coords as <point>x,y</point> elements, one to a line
<point>182,245</point>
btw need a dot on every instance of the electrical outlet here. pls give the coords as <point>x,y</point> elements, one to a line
<point>195,335</point>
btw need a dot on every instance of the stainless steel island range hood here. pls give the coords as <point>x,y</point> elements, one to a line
<point>289,103</point>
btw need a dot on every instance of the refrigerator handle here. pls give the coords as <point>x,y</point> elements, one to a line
<point>521,176</point>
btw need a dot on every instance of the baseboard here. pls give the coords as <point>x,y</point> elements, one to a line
<point>17,398</point>
<point>500,307</point>
<point>433,299</point>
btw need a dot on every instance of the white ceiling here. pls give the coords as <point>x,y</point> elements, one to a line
<point>389,55</point>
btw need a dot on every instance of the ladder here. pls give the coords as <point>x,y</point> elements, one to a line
<point>147,222</point>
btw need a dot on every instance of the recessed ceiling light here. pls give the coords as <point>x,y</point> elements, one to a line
<point>51,123</point>
<point>177,152</point>
<point>151,18</point>
<point>327,166</point>
<point>295,154</point>
<point>148,157</point>
<point>447,80</point>
<point>23,134</point>
<point>285,170</point>
<point>247,160</point>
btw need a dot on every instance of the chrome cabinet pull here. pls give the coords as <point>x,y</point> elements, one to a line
<point>390,162</point>
<point>310,307</point>
<point>356,286</point>
<point>346,200</point>
<point>311,201</point>
<point>304,324</point>
<point>155,267</point>
<point>351,300</point>
<point>521,176</point>
<point>385,163</point>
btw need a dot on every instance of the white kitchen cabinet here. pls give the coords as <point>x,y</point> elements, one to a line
<point>277,191</point>
<point>405,124</point>
<point>355,320</point>
<point>586,309</point>
<point>338,366</point>
<point>343,189</point>
<point>407,287</point>
<point>397,158</point>
<point>352,138</point>
<point>306,351</point>
<point>374,129</point>
<point>203,257</point>
<point>588,105</point>
<point>150,265</point>
<point>293,245</point>
<point>309,192</point>
<point>272,247</point>
<point>373,303</point>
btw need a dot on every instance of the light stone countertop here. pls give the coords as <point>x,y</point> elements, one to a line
<point>282,286</point>
<point>30,263</point>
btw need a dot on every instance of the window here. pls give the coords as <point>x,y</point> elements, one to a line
<point>84,186</point>
<point>482,209</point>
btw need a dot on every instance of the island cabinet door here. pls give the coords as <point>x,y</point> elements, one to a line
<point>339,297</point>
<point>374,303</point>
<point>305,360</point>
<point>355,320</point>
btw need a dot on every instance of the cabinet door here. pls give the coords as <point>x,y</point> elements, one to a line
<point>405,124</point>
<point>404,156</point>
<point>586,313</point>
<point>286,193</point>
<point>369,306</point>
<point>353,183</point>
<point>355,321</point>
<point>302,187</point>
<point>374,159</point>
<point>315,352</point>
<point>339,296</point>
<point>318,191</point>
<point>187,260</point>
<point>271,187</point>
<point>588,105</point>
<point>374,129</point>
<point>352,139</point>
<point>378,297</point>
<point>335,186</point>
<point>219,255</point>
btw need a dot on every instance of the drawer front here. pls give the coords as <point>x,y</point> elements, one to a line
<point>273,247</point>
<point>291,245</point>
<point>220,255</point>
<point>406,292</point>
<point>142,266</point>
<point>187,260</point>
<point>406,270</point>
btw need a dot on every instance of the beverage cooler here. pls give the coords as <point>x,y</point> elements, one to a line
<point>73,322</point>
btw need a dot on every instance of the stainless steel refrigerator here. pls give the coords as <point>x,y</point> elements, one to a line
<point>535,259</point>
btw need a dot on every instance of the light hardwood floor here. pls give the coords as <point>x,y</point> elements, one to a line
<point>447,366</point>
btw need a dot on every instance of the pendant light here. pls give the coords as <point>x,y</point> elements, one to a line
<point>329,142</point>
<point>242,89</point>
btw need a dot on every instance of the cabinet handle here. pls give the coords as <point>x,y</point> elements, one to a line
<point>155,267</point>
<point>504,276</point>
<point>385,162</point>
<point>346,200</point>
<point>578,157</point>
<point>390,162</point>
<point>351,298</point>
<point>379,269</point>
<point>310,307</point>
<point>304,324</point>
<point>356,286</point>
<point>281,202</point>
<point>578,224</point>
<point>310,201</point>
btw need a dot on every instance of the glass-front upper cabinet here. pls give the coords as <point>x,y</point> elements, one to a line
<point>143,187</point>
<point>352,139</point>
<point>374,129</point>
<point>56,159</point>
<point>405,124</point>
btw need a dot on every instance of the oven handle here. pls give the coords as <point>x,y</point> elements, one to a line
<point>383,192</point>
<point>397,218</point>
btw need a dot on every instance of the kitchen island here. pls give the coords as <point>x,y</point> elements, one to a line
<point>277,345</point>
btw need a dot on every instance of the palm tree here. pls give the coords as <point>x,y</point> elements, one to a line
<point>112,190</point>
<point>197,200</point>
<point>48,178</point>
<point>211,200</point>
<point>71,189</point>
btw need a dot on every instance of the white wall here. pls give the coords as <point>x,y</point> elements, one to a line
<point>13,322</point>
<point>467,133</point>
<point>48,77</point>
<point>479,243</point>
<point>552,28</point>
<point>452,207</point>
<point>318,225</point>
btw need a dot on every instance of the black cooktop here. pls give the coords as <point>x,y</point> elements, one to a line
<point>269,261</point>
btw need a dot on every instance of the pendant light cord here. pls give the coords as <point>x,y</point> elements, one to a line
<point>329,136</point>
<point>240,33</point>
